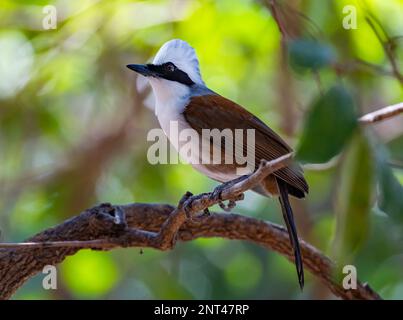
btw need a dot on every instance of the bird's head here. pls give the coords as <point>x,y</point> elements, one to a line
<point>175,66</point>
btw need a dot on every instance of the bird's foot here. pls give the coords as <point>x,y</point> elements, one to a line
<point>216,195</point>
<point>188,205</point>
<point>231,203</point>
<point>227,207</point>
<point>217,192</point>
<point>206,213</point>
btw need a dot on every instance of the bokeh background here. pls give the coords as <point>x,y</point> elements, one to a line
<point>74,120</point>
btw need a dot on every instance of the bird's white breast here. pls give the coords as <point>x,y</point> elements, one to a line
<point>171,100</point>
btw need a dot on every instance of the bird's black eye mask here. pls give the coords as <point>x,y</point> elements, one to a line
<point>170,72</point>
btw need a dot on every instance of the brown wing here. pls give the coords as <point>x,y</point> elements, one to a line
<point>214,111</point>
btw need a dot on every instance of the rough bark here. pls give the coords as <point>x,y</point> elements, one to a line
<point>98,228</point>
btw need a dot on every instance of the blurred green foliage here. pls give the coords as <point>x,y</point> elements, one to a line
<point>305,54</point>
<point>97,269</point>
<point>73,125</point>
<point>328,126</point>
<point>354,197</point>
<point>390,191</point>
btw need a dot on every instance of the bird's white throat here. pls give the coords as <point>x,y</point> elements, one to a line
<point>171,99</point>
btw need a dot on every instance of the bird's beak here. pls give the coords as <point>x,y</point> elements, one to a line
<point>143,69</point>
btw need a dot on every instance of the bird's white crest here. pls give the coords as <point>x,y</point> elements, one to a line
<point>171,97</point>
<point>181,54</point>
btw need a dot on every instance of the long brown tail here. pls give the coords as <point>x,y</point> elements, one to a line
<point>292,230</point>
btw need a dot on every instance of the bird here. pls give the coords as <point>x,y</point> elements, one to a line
<point>181,96</point>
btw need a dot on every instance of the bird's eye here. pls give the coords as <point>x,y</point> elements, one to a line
<point>170,67</point>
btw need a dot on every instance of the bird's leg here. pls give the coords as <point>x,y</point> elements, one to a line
<point>231,205</point>
<point>216,194</point>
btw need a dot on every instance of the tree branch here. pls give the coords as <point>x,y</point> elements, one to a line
<point>382,114</point>
<point>387,45</point>
<point>159,226</point>
<point>97,228</point>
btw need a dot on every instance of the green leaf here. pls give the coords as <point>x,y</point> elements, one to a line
<point>309,54</point>
<point>395,148</point>
<point>353,200</point>
<point>328,126</point>
<point>390,192</point>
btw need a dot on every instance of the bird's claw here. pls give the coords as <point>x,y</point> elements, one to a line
<point>187,205</point>
<point>216,195</point>
<point>231,205</point>
<point>206,213</point>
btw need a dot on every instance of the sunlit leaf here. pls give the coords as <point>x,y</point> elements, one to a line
<point>329,124</point>
<point>90,274</point>
<point>16,60</point>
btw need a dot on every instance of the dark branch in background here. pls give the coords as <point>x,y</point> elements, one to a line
<point>290,20</point>
<point>388,45</point>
